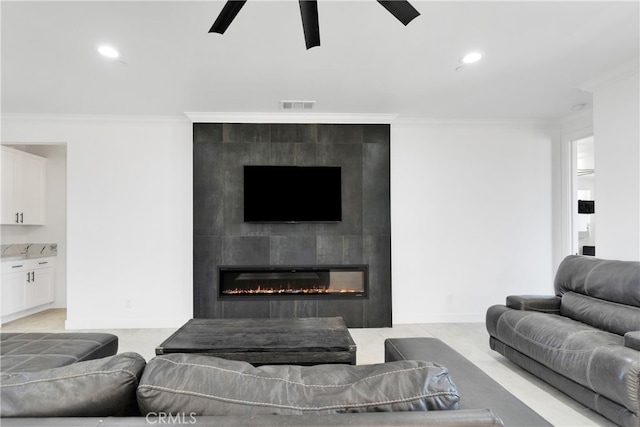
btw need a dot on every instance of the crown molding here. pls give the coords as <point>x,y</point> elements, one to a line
<point>203,117</point>
<point>302,118</point>
<point>544,123</point>
<point>393,119</point>
<point>621,72</point>
<point>93,117</point>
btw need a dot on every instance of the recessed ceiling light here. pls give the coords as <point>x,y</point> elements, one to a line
<point>109,52</point>
<point>472,57</point>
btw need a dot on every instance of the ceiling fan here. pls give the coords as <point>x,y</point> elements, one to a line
<point>401,9</point>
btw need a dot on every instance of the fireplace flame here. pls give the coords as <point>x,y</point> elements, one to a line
<point>293,282</point>
<point>264,290</point>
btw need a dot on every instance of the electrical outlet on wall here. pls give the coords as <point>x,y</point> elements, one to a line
<point>128,303</point>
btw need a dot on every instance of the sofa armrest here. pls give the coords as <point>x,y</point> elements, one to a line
<point>543,303</point>
<point>632,340</point>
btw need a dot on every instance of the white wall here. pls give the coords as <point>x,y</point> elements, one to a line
<point>471,209</point>
<point>472,214</point>
<point>129,216</point>
<point>617,157</point>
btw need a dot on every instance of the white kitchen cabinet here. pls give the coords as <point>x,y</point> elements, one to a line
<point>12,292</point>
<point>40,289</point>
<point>26,283</point>
<point>23,187</point>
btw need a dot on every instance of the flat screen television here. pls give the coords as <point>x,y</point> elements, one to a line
<point>586,207</point>
<point>292,194</point>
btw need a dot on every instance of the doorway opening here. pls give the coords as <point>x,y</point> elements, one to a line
<point>583,197</point>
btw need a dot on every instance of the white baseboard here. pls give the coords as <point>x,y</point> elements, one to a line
<point>160,323</point>
<point>409,318</point>
<point>25,313</point>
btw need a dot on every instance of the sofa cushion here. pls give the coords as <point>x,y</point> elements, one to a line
<point>591,357</point>
<point>101,387</point>
<point>29,352</point>
<point>605,315</point>
<point>615,281</point>
<point>206,385</point>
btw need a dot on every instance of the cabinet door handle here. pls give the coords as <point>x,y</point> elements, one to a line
<point>33,276</point>
<point>21,217</point>
<point>17,218</point>
<point>28,277</point>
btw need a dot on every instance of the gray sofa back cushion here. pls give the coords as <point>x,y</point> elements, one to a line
<point>98,388</point>
<point>616,281</point>
<point>605,315</point>
<point>205,385</point>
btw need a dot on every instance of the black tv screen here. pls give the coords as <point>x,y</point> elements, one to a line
<point>292,194</point>
<point>586,207</point>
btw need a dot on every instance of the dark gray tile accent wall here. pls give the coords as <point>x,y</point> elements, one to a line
<point>220,150</point>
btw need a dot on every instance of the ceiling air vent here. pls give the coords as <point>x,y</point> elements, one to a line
<point>297,105</point>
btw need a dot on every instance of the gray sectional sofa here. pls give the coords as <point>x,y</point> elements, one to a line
<point>476,388</point>
<point>584,340</point>
<point>31,352</point>
<point>125,390</point>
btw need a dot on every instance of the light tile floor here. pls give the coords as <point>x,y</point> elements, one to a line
<point>469,339</point>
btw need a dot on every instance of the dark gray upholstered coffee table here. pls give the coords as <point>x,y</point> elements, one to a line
<point>300,341</point>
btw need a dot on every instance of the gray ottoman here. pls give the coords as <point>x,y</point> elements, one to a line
<point>31,352</point>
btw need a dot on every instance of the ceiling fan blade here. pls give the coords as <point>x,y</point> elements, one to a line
<point>401,9</point>
<point>228,13</point>
<point>309,12</point>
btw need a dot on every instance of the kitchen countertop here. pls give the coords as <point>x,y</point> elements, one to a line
<point>18,251</point>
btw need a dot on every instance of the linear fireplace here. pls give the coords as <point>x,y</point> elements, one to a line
<point>339,281</point>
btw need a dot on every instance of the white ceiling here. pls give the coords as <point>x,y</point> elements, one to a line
<point>540,57</point>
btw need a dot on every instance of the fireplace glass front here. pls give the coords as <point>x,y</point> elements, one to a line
<point>293,281</point>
